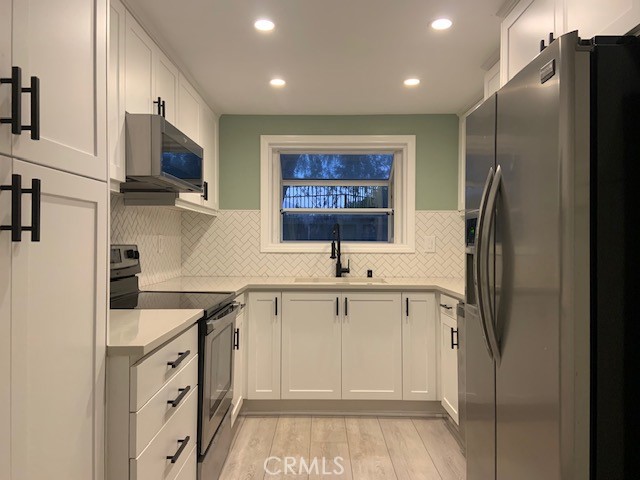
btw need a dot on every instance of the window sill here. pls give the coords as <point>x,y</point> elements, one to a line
<point>347,248</point>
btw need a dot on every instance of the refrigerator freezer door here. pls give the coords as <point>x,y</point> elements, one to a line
<point>527,262</point>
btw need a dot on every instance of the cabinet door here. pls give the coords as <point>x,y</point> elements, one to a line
<point>209,143</point>
<point>65,45</point>
<point>372,346</point>
<point>139,68</point>
<point>116,93</point>
<point>189,123</point>
<point>166,85</point>
<point>5,321</point>
<point>58,331</point>
<point>449,366</point>
<point>529,22</point>
<point>5,72</point>
<point>238,363</point>
<point>311,345</point>
<point>419,346</point>
<point>264,325</point>
<point>595,17</point>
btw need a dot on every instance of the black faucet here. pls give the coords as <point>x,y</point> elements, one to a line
<point>335,253</point>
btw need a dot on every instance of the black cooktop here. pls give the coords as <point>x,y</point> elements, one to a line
<point>209,302</point>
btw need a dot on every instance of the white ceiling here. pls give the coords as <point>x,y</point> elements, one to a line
<point>340,57</point>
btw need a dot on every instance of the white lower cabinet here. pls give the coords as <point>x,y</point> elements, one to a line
<point>152,412</point>
<point>449,363</point>
<point>53,349</point>
<point>419,346</point>
<point>372,346</point>
<point>239,355</point>
<point>264,344</point>
<point>311,345</point>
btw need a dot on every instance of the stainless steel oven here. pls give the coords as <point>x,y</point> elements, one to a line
<point>217,341</point>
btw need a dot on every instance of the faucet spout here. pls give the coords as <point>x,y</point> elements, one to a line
<point>336,253</point>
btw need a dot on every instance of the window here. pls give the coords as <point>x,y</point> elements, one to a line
<point>361,183</point>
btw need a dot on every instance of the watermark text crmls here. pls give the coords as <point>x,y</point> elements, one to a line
<point>302,466</point>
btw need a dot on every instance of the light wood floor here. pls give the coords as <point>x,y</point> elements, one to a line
<point>372,448</point>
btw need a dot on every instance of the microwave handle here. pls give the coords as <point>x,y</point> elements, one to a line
<point>205,190</point>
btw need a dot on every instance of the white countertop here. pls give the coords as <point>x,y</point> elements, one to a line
<point>135,333</point>
<point>449,286</point>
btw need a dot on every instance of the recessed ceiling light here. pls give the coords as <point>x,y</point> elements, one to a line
<point>277,82</point>
<point>441,24</point>
<point>412,82</point>
<point>264,25</point>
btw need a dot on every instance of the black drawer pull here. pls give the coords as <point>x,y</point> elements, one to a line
<point>346,307</point>
<point>236,339</point>
<point>16,104</point>
<point>180,359</point>
<point>454,344</point>
<point>446,307</point>
<point>34,90</point>
<point>36,196</point>
<point>178,399</point>
<point>407,305</point>
<point>276,306</point>
<point>16,208</point>
<point>183,444</point>
<point>337,306</point>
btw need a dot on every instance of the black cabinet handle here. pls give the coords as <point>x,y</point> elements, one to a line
<point>16,208</point>
<point>36,197</point>
<point>34,90</point>
<point>183,444</point>
<point>183,393</point>
<point>205,192</point>
<point>407,306</point>
<point>542,45</point>
<point>236,339</point>
<point>346,306</point>
<point>446,307</point>
<point>180,359</point>
<point>16,104</point>
<point>276,306</point>
<point>161,106</point>
<point>454,344</point>
<point>337,306</point>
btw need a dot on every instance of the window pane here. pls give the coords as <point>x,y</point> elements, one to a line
<point>323,196</point>
<point>320,166</point>
<point>299,227</point>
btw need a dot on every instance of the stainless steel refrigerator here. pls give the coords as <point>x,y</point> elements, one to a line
<point>551,169</point>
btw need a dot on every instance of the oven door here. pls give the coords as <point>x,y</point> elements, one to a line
<point>217,372</point>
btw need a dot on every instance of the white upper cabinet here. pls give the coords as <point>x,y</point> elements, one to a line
<point>139,68</point>
<point>188,120</point>
<point>64,45</point>
<point>166,86</point>
<point>522,30</point>
<point>419,346</point>
<point>311,345</point>
<point>209,143</point>
<point>598,17</point>
<point>116,93</point>
<point>372,346</point>
<point>5,72</point>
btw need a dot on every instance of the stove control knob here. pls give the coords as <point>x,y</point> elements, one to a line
<point>133,254</point>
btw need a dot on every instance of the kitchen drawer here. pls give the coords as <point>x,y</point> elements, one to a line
<point>448,306</point>
<point>152,464</point>
<point>144,424</point>
<point>151,374</point>
<point>189,470</point>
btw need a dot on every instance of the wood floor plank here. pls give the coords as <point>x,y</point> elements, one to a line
<point>370,459</point>
<point>330,467</point>
<point>410,458</point>
<point>250,449</point>
<point>328,429</point>
<point>442,447</point>
<point>292,439</point>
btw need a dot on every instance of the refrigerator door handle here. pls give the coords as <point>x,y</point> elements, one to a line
<point>489,320</point>
<point>478,262</point>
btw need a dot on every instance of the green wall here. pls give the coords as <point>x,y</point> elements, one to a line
<point>436,151</point>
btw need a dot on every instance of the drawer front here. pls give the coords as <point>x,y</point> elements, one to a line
<point>190,468</point>
<point>153,372</point>
<point>144,424</point>
<point>448,306</point>
<point>153,464</point>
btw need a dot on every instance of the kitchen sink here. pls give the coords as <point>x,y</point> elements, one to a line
<point>341,280</point>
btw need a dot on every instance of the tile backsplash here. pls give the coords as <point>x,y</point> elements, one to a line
<point>156,231</point>
<point>229,245</point>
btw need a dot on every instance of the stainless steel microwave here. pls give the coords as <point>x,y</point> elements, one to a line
<point>160,158</point>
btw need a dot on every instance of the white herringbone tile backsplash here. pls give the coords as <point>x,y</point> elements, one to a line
<point>229,245</point>
<point>156,231</point>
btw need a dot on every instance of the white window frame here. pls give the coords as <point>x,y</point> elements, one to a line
<point>403,180</point>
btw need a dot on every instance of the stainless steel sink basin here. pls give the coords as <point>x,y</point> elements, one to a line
<point>340,280</point>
